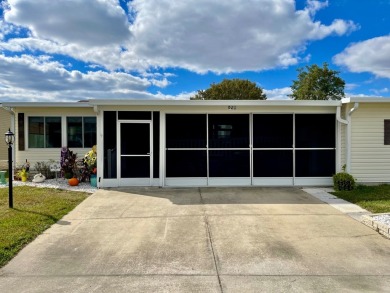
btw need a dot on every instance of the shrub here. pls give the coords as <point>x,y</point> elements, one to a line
<point>44,168</point>
<point>343,181</point>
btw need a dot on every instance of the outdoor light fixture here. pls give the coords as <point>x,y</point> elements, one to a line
<point>9,139</point>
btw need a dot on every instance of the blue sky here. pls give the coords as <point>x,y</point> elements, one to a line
<point>164,49</point>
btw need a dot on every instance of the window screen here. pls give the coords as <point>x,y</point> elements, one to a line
<point>273,130</point>
<point>228,130</point>
<point>315,130</point>
<point>186,130</point>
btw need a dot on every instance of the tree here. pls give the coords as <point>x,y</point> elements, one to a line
<point>316,83</point>
<point>231,89</point>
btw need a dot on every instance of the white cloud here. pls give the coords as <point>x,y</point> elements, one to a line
<point>313,6</point>
<point>42,77</point>
<point>109,57</point>
<point>198,35</point>
<point>351,86</point>
<point>349,95</point>
<point>338,27</point>
<point>381,91</point>
<point>367,56</point>
<point>278,93</point>
<point>158,79</point>
<point>181,96</point>
<point>87,23</point>
<point>5,28</point>
<point>28,78</point>
<point>226,36</point>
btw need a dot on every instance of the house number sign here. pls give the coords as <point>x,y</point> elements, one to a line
<point>232,107</point>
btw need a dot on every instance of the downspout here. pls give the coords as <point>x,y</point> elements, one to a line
<point>349,136</point>
<point>338,116</point>
<point>338,145</point>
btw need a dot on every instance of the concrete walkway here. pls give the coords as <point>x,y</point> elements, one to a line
<point>202,240</point>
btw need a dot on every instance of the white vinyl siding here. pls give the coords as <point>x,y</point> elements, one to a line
<point>5,123</point>
<point>370,157</point>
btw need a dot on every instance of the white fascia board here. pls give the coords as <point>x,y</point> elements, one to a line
<point>47,105</point>
<point>97,102</point>
<point>214,103</point>
<point>365,100</point>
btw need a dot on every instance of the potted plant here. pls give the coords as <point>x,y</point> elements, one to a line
<point>68,163</point>
<point>90,159</point>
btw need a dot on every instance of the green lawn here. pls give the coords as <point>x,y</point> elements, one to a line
<point>35,210</point>
<point>375,199</point>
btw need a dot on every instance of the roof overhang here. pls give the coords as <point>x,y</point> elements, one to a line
<point>365,100</point>
<point>46,105</point>
<point>213,103</point>
<point>109,102</point>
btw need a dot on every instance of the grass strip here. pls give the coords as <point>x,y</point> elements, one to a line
<point>35,210</point>
<point>375,199</point>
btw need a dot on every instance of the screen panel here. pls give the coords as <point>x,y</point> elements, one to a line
<point>278,163</point>
<point>135,138</point>
<point>273,130</point>
<point>229,131</point>
<point>186,131</point>
<point>315,130</point>
<point>229,163</point>
<point>135,167</point>
<point>186,163</point>
<point>315,163</point>
<point>110,147</point>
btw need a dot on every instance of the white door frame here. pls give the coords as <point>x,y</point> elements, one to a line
<point>134,181</point>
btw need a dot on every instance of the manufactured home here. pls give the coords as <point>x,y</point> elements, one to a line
<point>211,143</point>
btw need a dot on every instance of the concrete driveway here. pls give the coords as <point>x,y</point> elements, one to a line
<point>202,240</point>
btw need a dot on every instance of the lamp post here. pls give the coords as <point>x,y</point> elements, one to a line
<point>9,140</point>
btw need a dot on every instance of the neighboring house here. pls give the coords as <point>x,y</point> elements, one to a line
<point>5,124</point>
<point>212,143</point>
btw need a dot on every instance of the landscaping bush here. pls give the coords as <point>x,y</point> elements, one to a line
<point>343,181</point>
<point>44,168</point>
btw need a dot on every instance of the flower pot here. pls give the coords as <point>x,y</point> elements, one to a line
<point>2,177</point>
<point>93,180</point>
<point>73,182</point>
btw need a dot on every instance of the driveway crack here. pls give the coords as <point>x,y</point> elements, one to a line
<point>206,220</point>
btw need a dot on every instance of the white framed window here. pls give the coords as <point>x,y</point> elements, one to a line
<point>44,132</point>
<point>81,131</point>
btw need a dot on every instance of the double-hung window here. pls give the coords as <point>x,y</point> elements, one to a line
<point>44,132</point>
<point>81,132</point>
